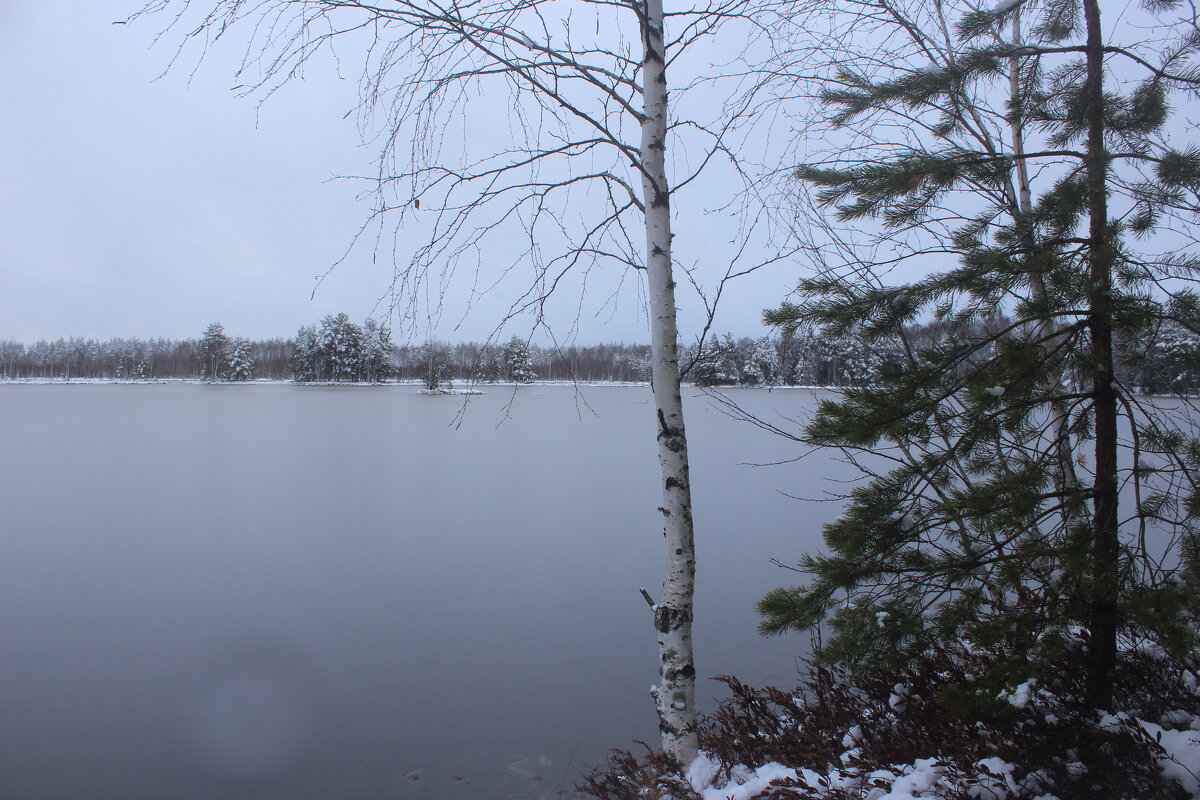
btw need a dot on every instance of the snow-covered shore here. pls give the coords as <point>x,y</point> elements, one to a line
<point>403,383</point>
<point>290,382</point>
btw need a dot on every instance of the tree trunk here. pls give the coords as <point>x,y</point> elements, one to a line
<point>675,695</point>
<point>1105,541</point>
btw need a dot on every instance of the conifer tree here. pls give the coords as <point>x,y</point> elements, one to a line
<point>240,362</point>
<point>486,367</point>
<point>127,361</point>
<point>518,363</point>
<point>764,366</point>
<point>303,358</point>
<point>376,351</point>
<point>213,351</point>
<point>990,508</point>
<point>340,343</point>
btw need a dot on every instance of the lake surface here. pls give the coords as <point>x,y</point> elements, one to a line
<point>364,592</point>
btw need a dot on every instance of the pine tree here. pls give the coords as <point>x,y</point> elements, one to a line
<point>486,367</point>
<point>797,364</point>
<point>213,352</point>
<point>764,366</point>
<point>716,363</point>
<point>303,358</point>
<point>124,352</point>
<point>1165,358</point>
<point>240,364</point>
<point>376,351</point>
<point>518,362</point>
<point>340,344</point>
<point>994,515</point>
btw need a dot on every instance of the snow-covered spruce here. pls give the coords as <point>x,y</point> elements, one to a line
<point>341,351</point>
<point>240,364</point>
<point>518,363</point>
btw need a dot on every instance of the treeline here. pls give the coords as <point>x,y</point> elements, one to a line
<point>1160,360</point>
<point>334,350</point>
<point>519,361</point>
<point>127,359</point>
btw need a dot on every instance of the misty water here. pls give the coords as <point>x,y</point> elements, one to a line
<point>364,592</point>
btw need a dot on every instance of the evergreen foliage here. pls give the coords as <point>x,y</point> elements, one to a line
<point>376,356</point>
<point>241,361</point>
<point>213,352</point>
<point>339,350</point>
<point>486,367</point>
<point>221,358</point>
<point>717,363</point>
<point>303,360</point>
<point>992,453</point>
<point>132,363</point>
<point>763,367</point>
<point>518,363</point>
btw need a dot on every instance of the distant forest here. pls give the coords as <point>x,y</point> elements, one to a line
<point>1163,360</point>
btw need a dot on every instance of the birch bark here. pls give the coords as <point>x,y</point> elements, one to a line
<point>675,694</point>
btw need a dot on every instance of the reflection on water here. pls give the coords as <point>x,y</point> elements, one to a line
<point>253,714</point>
<point>276,591</point>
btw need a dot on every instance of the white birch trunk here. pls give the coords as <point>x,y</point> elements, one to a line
<point>675,694</point>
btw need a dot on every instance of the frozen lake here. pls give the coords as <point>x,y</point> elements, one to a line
<point>312,593</point>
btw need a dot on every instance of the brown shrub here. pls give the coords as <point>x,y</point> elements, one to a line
<point>935,709</point>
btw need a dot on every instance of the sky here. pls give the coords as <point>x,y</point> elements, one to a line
<point>138,204</point>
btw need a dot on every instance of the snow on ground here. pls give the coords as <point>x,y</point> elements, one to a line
<point>1180,760</point>
<point>450,391</point>
<point>290,382</point>
<point>925,778</point>
<point>920,780</point>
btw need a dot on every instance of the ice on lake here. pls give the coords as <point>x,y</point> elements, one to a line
<point>305,592</point>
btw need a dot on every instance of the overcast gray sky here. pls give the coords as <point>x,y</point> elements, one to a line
<point>136,207</point>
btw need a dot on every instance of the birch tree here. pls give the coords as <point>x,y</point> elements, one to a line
<point>572,98</point>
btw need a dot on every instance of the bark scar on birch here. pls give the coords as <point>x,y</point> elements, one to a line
<point>671,438</point>
<point>667,619</point>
